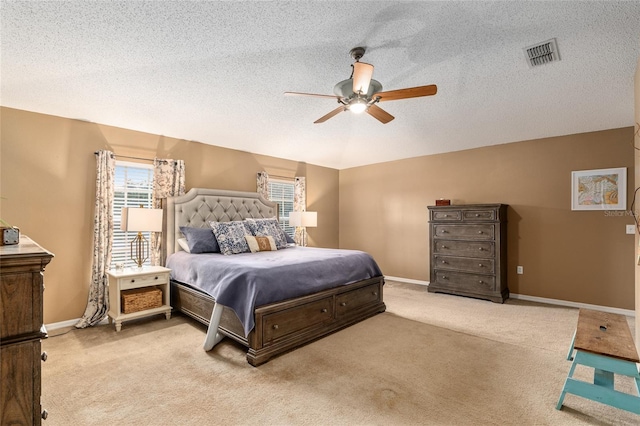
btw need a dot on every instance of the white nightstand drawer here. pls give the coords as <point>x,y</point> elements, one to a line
<point>143,281</point>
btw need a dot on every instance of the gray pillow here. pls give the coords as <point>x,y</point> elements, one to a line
<point>200,240</point>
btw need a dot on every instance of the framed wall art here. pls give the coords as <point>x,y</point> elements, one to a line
<point>601,189</point>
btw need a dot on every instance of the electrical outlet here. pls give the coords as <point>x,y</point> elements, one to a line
<point>631,229</point>
<point>520,270</point>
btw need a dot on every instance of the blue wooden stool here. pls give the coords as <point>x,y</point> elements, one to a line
<point>603,341</point>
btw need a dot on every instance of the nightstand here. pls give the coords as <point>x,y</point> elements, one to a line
<point>134,278</point>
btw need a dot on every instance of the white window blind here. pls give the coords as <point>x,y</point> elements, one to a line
<point>133,188</point>
<point>281,192</point>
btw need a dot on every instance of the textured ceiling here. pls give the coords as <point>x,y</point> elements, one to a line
<point>215,72</point>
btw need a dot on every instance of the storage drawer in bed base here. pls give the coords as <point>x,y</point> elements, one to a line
<point>364,299</point>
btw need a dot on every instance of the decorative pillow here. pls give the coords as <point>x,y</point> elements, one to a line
<point>230,236</point>
<point>182,242</point>
<point>200,240</point>
<point>289,239</point>
<point>268,228</point>
<point>260,243</point>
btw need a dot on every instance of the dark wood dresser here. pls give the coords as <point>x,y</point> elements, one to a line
<point>468,245</point>
<point>21,329</point>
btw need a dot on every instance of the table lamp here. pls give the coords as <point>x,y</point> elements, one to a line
<point>303,220</point>
<point>140,220</point>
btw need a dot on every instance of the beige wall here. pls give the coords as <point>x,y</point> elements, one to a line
<point>636,141</point>
<point>47,181</point>
<point>579,256</point>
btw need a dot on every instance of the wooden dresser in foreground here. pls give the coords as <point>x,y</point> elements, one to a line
<point>468,245</point>
<point>21,329</point>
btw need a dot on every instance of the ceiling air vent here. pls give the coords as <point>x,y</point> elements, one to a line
<point>542,53</point>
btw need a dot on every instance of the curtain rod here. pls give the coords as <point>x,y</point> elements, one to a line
<point>134,158</point>
<point>281,177</point>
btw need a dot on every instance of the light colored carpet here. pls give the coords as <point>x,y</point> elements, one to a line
<point>430,359</point>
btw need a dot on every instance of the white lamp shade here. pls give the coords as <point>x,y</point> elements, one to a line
<point>141,219</point>
<point>306,219</point>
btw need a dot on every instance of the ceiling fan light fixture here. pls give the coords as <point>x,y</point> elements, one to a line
<point>357,106</point>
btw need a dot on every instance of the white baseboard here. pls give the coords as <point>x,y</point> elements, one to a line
<point>70,323</point>
<point>627,312</point>
<point>407,280</point>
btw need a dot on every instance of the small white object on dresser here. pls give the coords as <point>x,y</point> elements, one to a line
<point>137,278</point>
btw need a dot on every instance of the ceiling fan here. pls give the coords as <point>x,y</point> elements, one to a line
<point>360,92</point>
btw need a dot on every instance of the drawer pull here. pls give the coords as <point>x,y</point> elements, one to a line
<point>445,215</point>
<point>275,326</point>
<point>480,265</point>
<point>480,232</point>
<point>44,414</point>
<point>375,293</point>
<point>477,215</point>
<point>481,282</point>
<point>324,310</point>
<point>155,278</point>
<point>444,277</point>
<point>133,281</point>
<point>343,304</point>
<point>444,262</point>
<point>480,248</point>
<point>444,247</point>
<point>44,356</point>
<point>443,231</point>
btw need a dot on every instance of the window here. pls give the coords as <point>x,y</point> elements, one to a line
<point>281,192</point>
<point>133,188</point>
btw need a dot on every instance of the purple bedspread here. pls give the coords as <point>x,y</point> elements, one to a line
<point>244,281</point>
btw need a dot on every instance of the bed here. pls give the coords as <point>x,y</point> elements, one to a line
<point>277,326</point>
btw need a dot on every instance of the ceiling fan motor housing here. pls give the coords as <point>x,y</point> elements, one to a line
<point>344,88</point>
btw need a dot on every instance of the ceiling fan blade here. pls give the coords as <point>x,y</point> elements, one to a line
<point>328,116</point>
<point>379,114</point>
<point>311,94</point>
<point>411,92</point>
<point>362,74</point>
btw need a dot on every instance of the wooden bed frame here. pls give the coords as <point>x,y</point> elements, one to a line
<point>280,326</point>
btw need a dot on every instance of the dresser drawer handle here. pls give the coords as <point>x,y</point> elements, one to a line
<point>480,265</point>
<point>444,231</point>
<point>444,262</point>
<point>275,326</point>
<point>343,304</point>
<point>480,248</point>
<point>44,356</point>
<point>375,293</point>
<point>133,281</point>
<point>323,310</point>
<point>44,414</point>
<point>444,277</point>
<point>445,215</point>
<point>477,215</point>
<point>480,232</point>
<point>481,282</point>
<point>444,247</point>
<point>155,278</point>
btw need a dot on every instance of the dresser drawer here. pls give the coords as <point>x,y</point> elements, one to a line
<point>479,215</point>
<point>465,232</point>
<point>464,264</point>
<point>467,282</point>
<point>351,300</point>
<point>479,249</point>
<point>309,315</point>
<point>447,215</point>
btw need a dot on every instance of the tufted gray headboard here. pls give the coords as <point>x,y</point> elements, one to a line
<point>200,205</point>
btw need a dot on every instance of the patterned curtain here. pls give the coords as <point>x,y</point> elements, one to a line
<point>98,302</point>
<point>299,205</point>
<point>168,181</point>
<point>263,184</point>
